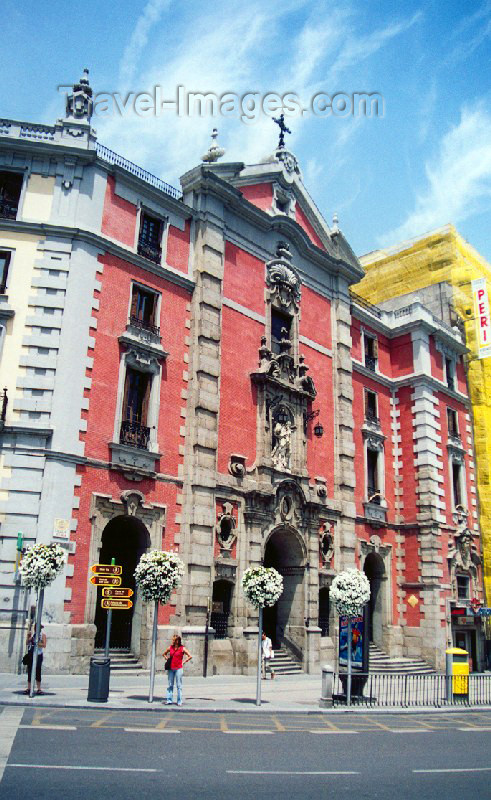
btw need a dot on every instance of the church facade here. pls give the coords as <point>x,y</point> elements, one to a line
<point>190,370</point>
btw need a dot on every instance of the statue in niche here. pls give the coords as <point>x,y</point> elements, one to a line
<point>463,555</point>
<point>326,537</point>
<point>281,453</point>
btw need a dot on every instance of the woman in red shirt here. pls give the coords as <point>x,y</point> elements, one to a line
<point>176,652</point>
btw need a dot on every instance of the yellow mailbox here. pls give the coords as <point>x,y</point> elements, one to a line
<point>457,663</point>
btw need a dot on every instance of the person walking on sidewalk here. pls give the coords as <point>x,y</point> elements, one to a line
<point>267,654</point>
<point>176,653</point>
<point>31,641</point>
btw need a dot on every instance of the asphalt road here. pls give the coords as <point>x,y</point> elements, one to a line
<point>75,754</point>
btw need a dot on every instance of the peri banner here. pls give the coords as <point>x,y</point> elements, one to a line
<point>356,642</point>
<point>483,322</point>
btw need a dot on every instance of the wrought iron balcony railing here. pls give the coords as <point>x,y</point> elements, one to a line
<point>371,416</point>
<point>371,363</point>
<point>8,209</point>
<point>152,252</point>
<point>144,325</point>
<point>374,496</point>
<point>134,434</point>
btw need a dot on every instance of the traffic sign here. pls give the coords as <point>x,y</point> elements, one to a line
<point>106,569</point>
<point>122,592</point>
<point>103,580</point>
<point>113,604</point>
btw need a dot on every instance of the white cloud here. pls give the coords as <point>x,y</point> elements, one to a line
<point>261,47</point>
<point>458,180</point>
<point>139,38</point>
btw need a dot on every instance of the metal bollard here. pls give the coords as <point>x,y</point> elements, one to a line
<point>327,686</point>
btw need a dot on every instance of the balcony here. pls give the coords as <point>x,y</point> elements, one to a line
<point>150,251</point>
<point>134,434</point>
<point>371,363</point>
<point>374,495</point>
<point>8,209</point>
<point>144,325</point>
<point>371,416</point>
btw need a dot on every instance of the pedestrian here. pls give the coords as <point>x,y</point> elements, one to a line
<point>267,655</point>
<point>31,642</point>
<point>176,653</point>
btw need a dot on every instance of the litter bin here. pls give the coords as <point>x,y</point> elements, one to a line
<point>100,670</point>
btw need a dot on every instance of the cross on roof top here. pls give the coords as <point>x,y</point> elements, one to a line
<point>283,129</point>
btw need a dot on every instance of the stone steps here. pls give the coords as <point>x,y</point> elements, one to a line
<point>381,662</point>
<point>122,660</point>
<point>283,663</point>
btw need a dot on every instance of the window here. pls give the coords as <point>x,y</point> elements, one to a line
<point>456,483</point>
<point>371,406</point>
<point>10,189</point>
<point>143,309</point>
<point>4,269</point>
<point>462,587</point>
<point>450,373</point>
<point>452,422</point>
<point>373,489</point>
<point>134,430</point>
<point>370,352</point>
<point>280,323</point>
<point>150,239</point>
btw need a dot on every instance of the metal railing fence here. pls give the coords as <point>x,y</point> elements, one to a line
<point>412,690</point>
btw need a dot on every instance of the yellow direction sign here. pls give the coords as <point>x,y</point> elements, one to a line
<point>121,592</point>
<point>106,569</point>
<point>113,604</point>
<point>103,580</point>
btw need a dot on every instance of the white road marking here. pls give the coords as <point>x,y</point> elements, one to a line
<point>49,727</point>
<point>151,730</point>
<point>9,724</point>
<point>479,730</point>
<point>289,772</point>
<point>323,732</point>
<point>102,769</point>
<point>410,730</point>
<point>456,769</point>
<point>252,732</point>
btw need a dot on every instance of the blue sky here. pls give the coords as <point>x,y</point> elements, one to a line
<point>425,163</point>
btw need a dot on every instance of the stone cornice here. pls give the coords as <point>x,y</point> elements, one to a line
<point>410,380</point>
<point>103,244</point>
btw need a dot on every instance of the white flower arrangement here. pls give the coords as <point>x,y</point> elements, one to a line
<point>262,586</point>
<point>350,591</point>
<point>41,564</point>
<point>158,573</point>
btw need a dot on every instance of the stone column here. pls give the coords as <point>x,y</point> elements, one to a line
<point>199,469</point>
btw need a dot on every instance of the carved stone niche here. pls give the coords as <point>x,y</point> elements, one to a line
<point>226,527</point>
<point>326,543</point>
<point>237,465</point>
<point>290,501</point>
<point>283,280</point>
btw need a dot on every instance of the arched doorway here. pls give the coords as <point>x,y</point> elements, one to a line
<point>285,622</point>
<point>374,569</point>
<point>125,539</point>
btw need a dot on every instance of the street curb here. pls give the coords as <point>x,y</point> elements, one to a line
<point>159,707</point>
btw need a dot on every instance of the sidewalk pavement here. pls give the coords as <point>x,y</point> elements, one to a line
<point>287,693</point>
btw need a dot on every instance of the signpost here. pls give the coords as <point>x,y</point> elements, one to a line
<point>110,603</point>
<point>106,569</point>
<point>121,592</point>
<point>103,580</point>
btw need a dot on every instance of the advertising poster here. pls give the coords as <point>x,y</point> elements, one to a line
<point>483,322</point>
<point>356,645</point>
